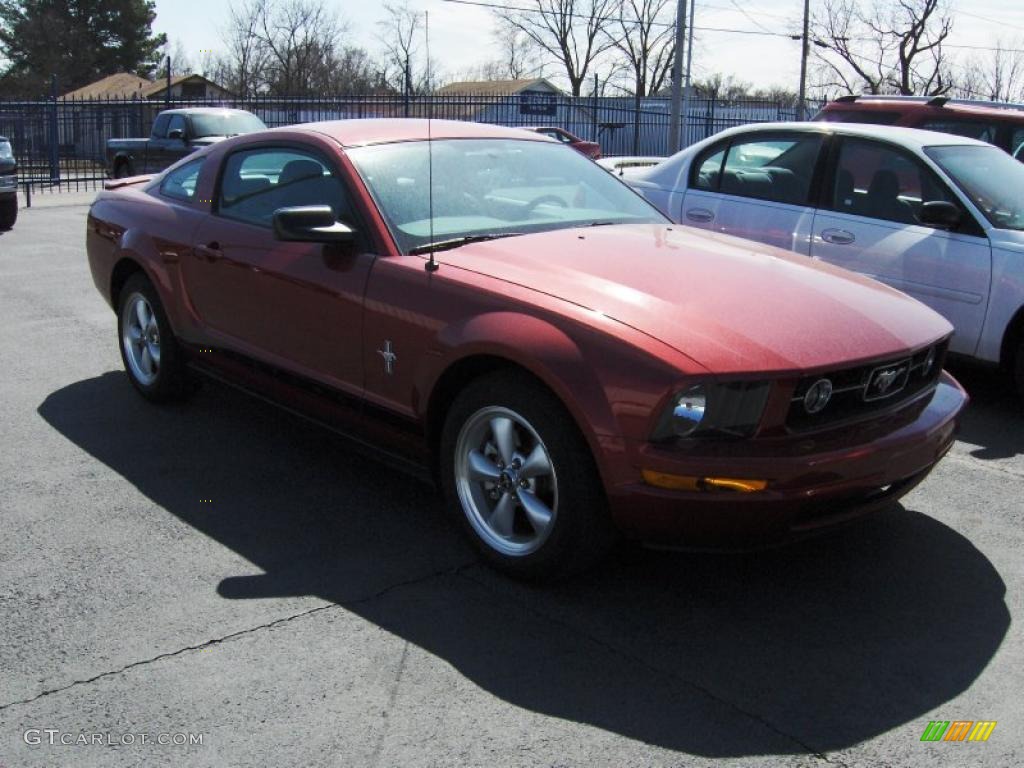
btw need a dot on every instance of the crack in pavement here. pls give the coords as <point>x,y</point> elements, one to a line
<point>453,571</point>
<point>392,697</point>
<point>658,671</point>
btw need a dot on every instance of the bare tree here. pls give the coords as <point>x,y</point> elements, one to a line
<point>401,33</point>
<point>242,64</point>
<point>998,76</point>
<point>517,53</point>
<point>572,32</point>
<point>884,47</point>
<point>646,41</point>
<point>181,62</point>
<point>302,37</point>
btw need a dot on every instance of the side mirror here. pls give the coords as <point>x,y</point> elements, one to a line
<point>310,224</point>
<point>940,213</point>
<point>176,133</point>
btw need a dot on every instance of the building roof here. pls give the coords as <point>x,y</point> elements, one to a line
<point>124,85</point>
<point>120,85</point>
<point>496,87</point>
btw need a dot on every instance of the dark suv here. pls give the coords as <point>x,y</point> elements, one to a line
<point>991,121</point>
<point>8,185</point>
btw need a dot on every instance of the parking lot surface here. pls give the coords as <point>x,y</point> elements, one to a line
<point>225,573</point>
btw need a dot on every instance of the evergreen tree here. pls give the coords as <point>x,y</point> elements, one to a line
<point>79,41</point>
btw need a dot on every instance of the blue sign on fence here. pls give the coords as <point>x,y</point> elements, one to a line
<point>533,103</point>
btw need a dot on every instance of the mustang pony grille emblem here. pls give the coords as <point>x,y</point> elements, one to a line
<point>887,380</point>
<point>389,357</point>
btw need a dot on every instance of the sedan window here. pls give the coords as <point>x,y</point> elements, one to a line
<point>992,179</point>
<point>878,181</point>
<point>973,129</point>
<point>475,187</point>
<point>180,184</point>
<point>257,182</point>
<point>771,168</point>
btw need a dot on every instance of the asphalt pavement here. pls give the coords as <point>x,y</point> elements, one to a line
<point>222,584</point>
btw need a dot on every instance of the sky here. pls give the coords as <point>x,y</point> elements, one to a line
<point>460,39</point>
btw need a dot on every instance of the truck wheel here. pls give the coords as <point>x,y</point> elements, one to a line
<point>122,170</point>
<point>8,213</point>
<point>1018,368</point>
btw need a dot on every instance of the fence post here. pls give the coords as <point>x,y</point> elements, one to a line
<point>636,122</point>
<point>54,133</point>
<point>595,136</point>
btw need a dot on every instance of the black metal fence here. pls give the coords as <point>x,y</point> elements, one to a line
<point>60,144</point>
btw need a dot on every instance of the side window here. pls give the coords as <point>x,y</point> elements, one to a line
<point>772,168</point>
<point>180,184</point>
<point>160,126</point>
<point>177,123</point>
<point>972,129</point>
<point>1017,144</point>
<point>878,181</point>
<point>707,169</point>
<point>257,182</point>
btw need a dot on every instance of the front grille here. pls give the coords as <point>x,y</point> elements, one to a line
<point>866,389</point>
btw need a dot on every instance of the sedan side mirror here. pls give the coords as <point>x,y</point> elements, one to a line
<point>176,133</point>
<point>940,213</point>
<point>310,224</point>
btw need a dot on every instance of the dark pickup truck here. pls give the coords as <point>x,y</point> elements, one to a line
<point>176,133</point>
<point>8,185</point>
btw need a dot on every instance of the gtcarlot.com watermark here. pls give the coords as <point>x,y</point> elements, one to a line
<point>53,737</point>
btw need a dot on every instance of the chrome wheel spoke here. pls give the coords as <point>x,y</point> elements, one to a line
<point>142,314</point>
<point>503,516</point>
<point>536,464</point>
<point>536,510</point>
<point>154,354</point>
<point>482,468</point>
<point>146,361</point>
<point>504,438</point>
<point>135,333</point>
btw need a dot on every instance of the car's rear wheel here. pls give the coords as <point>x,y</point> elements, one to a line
<point>1018,368</point>
<point>149,351</point>
<point>522,478</point>
<point>8,212</point>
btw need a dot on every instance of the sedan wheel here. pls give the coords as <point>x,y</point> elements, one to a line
<point>148,347</point>
<point>521,479</point>
<point>506,481</point>
<point>140,336</point>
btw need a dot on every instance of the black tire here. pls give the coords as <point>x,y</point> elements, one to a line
<point>8,213</point>
<point>122,170</point>
<point>168,381</point>
<point>1018,369</point>
<point>580,531</point>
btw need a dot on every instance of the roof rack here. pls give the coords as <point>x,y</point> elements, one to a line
<point>932,101</point>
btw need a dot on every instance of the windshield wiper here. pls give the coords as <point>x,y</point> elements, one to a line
<point>455,242</point>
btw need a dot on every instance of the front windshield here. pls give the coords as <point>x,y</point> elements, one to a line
<point>992,180</point>
<point>492,187</point>
<point>225,124</point>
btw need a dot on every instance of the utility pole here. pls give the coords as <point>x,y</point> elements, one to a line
<point>802,106</point>
<point>677,78</point>
<point>689,62</point>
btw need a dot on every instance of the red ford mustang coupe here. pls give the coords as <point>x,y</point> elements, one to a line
<point>508,315</point>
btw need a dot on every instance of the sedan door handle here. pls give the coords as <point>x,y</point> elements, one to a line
<point>700,214</point>
<point>837,236</point>
<point>211,251</point>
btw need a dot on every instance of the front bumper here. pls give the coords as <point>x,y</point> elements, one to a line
<point>813,482</point>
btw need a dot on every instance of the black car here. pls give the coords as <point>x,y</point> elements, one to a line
<point>8,185</point>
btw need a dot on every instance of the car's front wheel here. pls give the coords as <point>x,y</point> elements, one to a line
<point>1018,369</point>
<point>522,479</point>
<point>148,348</point>
<point>8,212</point>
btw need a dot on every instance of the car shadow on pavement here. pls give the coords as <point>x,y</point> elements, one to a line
<point>994,420</point>
<point>813,647</point>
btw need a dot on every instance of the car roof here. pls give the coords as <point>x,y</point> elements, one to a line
<point>908,137</point>
<point>354,133</point>
<point>204,111</point>
<point>869,104</point>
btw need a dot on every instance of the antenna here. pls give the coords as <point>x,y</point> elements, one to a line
<point>431,265</point>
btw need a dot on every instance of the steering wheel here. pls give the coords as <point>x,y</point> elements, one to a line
<point>552,199</point>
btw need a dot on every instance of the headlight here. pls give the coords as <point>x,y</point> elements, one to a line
<point>708,409</point>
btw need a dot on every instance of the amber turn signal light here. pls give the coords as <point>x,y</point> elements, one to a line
<point>686,483</point>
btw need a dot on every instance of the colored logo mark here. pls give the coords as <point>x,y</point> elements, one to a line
<point>958,730</point>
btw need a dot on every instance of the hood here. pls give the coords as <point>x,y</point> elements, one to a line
<point>732,305</point>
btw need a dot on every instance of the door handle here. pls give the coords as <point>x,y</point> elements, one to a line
<point>837,236</point>
<point>700,214</point>
<point>211,251</point>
